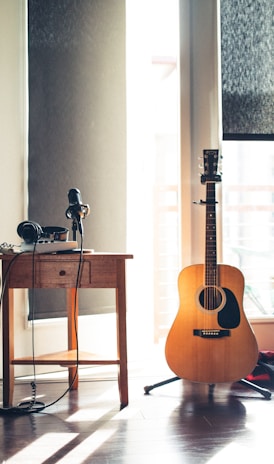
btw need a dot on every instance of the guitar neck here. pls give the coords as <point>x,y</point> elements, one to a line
<point>210,245</point>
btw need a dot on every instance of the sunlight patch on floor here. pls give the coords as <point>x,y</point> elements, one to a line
<point>235,451</point>
<point>45,447</point>
<point>85,449</point>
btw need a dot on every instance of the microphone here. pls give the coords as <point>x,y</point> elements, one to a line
<point>77,210</point>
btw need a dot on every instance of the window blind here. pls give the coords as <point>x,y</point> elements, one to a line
<point>247,69</point>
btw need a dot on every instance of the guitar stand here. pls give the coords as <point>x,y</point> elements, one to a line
<point>263,391</point>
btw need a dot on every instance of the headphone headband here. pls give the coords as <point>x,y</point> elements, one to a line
<point>55,233</point>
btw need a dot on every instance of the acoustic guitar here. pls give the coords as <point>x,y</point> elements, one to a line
<point>211,340</point>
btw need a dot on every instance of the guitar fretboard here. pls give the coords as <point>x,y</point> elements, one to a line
<point>210,251</point>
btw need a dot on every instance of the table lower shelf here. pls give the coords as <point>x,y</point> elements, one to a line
<point>66,359</point>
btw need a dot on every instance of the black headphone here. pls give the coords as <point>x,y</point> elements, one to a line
<point>31,232</point>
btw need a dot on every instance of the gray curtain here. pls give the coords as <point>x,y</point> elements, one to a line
<point>247,69</point>
<point>77,127</point>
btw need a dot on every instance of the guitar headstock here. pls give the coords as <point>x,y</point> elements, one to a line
<point>210,174</point>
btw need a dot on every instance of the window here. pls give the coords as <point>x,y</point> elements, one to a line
<point>166,193</point>
<point>248,220</point>
<point>153,162</point>
<point>248,165</point>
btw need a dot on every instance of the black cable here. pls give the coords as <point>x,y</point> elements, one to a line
<point>4,282</point>
<point>79,270</point>
<point>5,276</point>
<point>32,406</point>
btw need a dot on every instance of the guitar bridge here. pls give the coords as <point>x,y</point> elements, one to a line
<point>211,333</point>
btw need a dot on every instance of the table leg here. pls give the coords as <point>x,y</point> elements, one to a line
<point>122,332</point>
<point>8,346</point>
<point>72,313</point>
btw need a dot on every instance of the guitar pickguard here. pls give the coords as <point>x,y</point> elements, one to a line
<point>229,316</point>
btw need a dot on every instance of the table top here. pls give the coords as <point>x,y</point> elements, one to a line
<point>67,256</point>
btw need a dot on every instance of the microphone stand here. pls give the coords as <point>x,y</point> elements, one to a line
<point>74,229</point>
<point>76,225</point>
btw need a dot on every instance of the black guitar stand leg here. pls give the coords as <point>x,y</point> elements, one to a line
<point>148,388</point>
<point>263,391</point>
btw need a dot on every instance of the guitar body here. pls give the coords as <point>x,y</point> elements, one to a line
<point>211,345</point>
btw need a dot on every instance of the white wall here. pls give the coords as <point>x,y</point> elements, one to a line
<point>13,116</point>
<point>13,140</point>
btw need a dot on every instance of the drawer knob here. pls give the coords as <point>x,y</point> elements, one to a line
<point>62,273</point>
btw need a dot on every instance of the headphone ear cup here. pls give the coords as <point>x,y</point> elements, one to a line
<point>20,228</point>
<point>29,231</point>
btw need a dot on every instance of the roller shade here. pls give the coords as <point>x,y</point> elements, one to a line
<point>247,69</point>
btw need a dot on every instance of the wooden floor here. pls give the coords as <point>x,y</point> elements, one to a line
<point>176,423</point>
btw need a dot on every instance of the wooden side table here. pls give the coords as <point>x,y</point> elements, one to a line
<point>99,270</point>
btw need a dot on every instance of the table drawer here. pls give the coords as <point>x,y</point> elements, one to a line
<point>49,274</point>
<point>60,271</point>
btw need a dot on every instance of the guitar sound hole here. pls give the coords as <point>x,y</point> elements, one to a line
<point>211,298</point>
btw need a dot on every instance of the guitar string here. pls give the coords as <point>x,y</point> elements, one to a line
<point>211,294</point>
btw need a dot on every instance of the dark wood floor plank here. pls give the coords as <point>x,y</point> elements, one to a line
<point>177,423</point>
